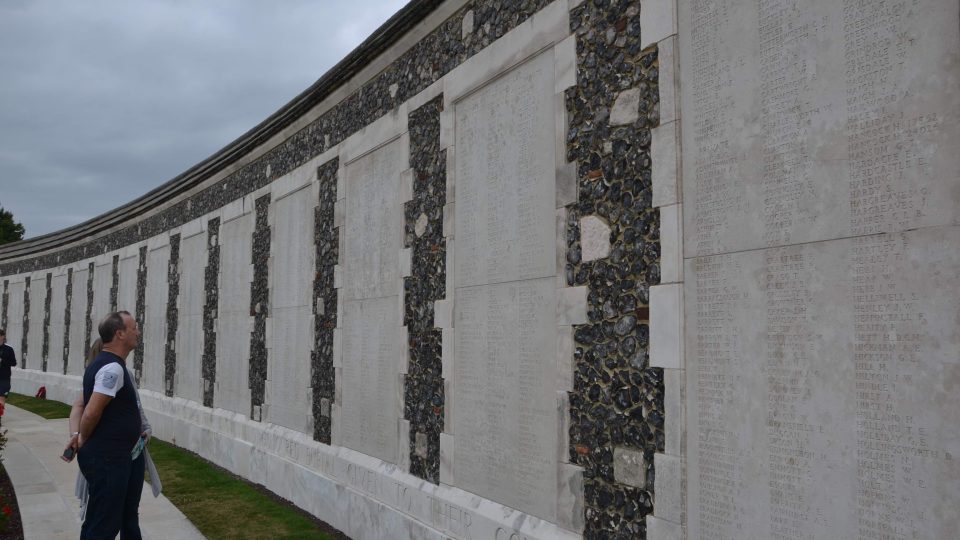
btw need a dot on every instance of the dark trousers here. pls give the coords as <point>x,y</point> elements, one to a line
<point>115,485</point>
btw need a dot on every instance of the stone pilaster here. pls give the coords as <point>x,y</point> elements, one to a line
<point>173,292</point>
<point>208,363</point>
<point>427,249</point>
<point>327,244</point>
<point>259,307</point>
<point>612,234</point>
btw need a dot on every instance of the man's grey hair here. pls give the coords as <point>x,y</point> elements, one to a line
<point>111,324</point>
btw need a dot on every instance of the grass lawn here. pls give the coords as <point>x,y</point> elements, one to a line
<point>46,408</point>
<point>218,503</point>
<point>223,506</point>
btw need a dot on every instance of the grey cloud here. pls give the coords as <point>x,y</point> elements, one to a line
<point>104,101</point>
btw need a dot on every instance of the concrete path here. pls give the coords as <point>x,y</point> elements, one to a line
<point>45,483</point>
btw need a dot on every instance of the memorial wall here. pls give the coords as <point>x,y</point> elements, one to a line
<point>569,269</point>
<point>820,189</point>
<point>415,300</point>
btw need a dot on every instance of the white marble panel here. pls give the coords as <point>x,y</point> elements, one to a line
<point>373,230</point>
<point>825,120</point>
<point>504,403</point>
<point>289,397</point>
<point>38,295</point>
<point>78,322</point>
<point>102,281</point>
<point>234,323</point>
<point>822,381</point>
<point>293,269</point>
<point>155,319</point>
<point>127,287</point>
<point>58,307</point>
<point>193,260</point>
<point>288,393</point>
<point>504,223</point>
<point>372,352</point>
<point>14,329</point>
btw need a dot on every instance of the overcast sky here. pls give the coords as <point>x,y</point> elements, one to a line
<point>102,101</point>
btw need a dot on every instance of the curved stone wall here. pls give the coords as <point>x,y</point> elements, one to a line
<point>415,301</point>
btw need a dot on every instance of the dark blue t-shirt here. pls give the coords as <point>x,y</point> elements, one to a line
<point>7,360</point>
<point>119,426</point>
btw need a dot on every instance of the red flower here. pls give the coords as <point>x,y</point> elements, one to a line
<point>7,510</point>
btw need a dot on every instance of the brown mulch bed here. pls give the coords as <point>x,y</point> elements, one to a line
<point>8,499</point>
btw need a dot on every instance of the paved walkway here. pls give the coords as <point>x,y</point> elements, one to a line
<point>44,484</point>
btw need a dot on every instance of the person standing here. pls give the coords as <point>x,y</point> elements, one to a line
<point>76,412</point>
<point>109,431</point>
<point>8,359</point>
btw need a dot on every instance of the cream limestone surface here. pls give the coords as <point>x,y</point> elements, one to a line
<point>288,395</point>
<point>372,350</point>
<point>78,322</point>
<point>820,224</point>
<point>127,288</point>
<point>58,306</point>
<point>38,295</point>
<point>155,319</point>
<point>193,259</point>
<point>102,281</point>
<point>14,327</point>
<point>504,418</point>
<point>234,323</point>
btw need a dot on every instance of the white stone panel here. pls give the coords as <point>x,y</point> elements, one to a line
<point>504,403</point>
<point>127,288</point>
<point>823,378</point>
<point>828,120</point>
<point>666,169</point>
<point>594,238</point>
<point>661,529</point>
<point>102,281</point>
<point>155,319</point>
<point>193,260</point>
<point>658,19</point>
<point>666,326</point>
<point>671,243</point>
<point>58,306</point>
<point>505,178</point>
<point>505,309</point>
<point>289,398</point>
<point>38,295</point>
<point>14,328</point>
<point>234,323</point>
<point>372,352</point>
<point>288,392</point>
<point>373,231</point>
<point>78,322</point>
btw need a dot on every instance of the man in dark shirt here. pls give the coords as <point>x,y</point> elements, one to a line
<point>7,360</point>
<point>109,431</point>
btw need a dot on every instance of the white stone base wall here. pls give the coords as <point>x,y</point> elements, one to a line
<point>364,497</point>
